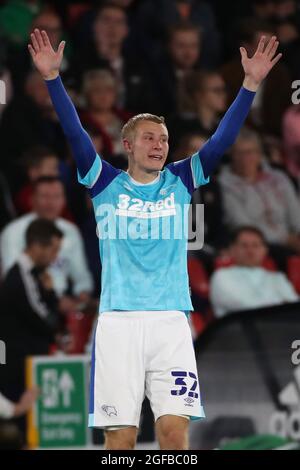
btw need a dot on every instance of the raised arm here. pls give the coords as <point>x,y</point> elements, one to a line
<point>256,69</point>
<point>48,62</point>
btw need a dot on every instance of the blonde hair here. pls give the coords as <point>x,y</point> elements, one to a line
<point>94,77</point>
<point>130,127</point>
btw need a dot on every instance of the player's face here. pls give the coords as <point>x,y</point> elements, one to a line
<point>149,148</point>
<point>49,200</point>
<point>249,250</point>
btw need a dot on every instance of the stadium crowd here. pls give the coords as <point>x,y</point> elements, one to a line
<point>176,58</point>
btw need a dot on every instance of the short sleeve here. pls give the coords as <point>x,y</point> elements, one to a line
<point>190,172</point>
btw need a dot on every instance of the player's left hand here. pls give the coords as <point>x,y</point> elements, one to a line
<point>256,68</point>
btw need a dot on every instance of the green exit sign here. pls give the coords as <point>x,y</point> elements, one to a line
<point>60,416</point>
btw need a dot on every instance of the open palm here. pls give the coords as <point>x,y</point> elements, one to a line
<point>264,59</point>
<point>46,60</point>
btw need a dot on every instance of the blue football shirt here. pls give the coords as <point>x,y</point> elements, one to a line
<point>142,231</point>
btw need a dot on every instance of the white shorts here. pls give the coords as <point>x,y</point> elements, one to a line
<point>138,354</point>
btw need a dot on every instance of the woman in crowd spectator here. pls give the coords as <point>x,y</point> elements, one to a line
<point>100,90</point>
<point>204,106</point>
<point>291,139</point>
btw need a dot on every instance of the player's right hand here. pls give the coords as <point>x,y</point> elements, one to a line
<point>46,60</point>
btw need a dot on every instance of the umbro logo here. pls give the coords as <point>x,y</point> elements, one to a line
<point>128,187</point>
<point>164,191</point>
<point>109,410</point>
<point>189,400</point>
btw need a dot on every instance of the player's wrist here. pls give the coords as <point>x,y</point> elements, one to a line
<point>250,84</point>
<point>51,75</point>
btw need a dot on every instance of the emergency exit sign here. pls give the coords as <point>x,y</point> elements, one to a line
<point>60,416</point>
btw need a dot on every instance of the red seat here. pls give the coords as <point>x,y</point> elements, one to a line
<point>270,264</point>
<point>223,262</point>
<point>198,277</point>
<point>293,271</point>
<point>79,326</point>
<point>226,261</point>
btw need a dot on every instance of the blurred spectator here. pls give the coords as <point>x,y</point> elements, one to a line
<point>247,285</point>
<point>154,19</point>
<point>29,317</point>
<point>107,50</point>
<point>264,9</point>
<point>171,72</point>
<point>286,9</point>
<point>205,104</point>
<point>5,77</point>
<point>291,138</point>
<point>15,20</point>
<point>20,63</point>
<point>287,31</point>
<point>274,95</point>
<point>7,209</point>
<point>255,194</point>
<point>69,271</point>
<point>27,121</point>
<point>100,90</point>
<point>37,162</point>
<point>9,409</point>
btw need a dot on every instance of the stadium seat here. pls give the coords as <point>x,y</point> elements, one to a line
<point>226,261</point>
<point>293,271</point>
<point>198,278</point>
<point>79,326</point>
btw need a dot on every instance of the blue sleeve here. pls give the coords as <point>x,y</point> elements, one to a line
<point>89,163</point>
<point>226,133</point>
<point>195,171</point>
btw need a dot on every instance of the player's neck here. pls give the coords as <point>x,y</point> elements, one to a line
<point>141,176</point>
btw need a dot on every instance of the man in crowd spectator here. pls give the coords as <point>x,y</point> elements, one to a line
<point>246,284</point>
<point>19,62</point>
<point>153,27</point>
<point>28,120</point>
<point>29,318</point>
<point>172,70</point>
<point>7,210</point>
<point>9,409</point>
<point>275,94</point>
<point>255,194</point>
<point>70,267</point>
<point>107,50</point>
